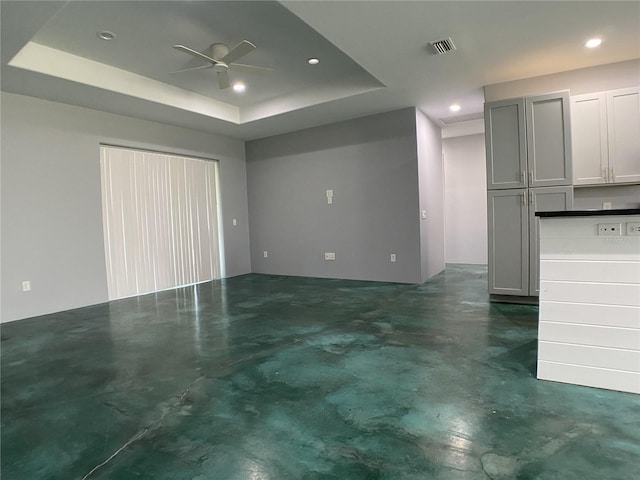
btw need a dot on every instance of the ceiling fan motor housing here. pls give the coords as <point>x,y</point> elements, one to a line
<point>218,51</point>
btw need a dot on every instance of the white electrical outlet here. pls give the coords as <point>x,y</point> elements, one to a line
<point>633,229</point>
<point>329,256</point>
<point>235,222</point>
<point>265,254</point>
<point>606,205</point>
<point>392,257</point>
<point>424,214</point>
<point>26,286</point>
<point>609,229</point>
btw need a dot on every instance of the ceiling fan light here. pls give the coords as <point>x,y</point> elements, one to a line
<point>239,87</point>
<point>593,43</point>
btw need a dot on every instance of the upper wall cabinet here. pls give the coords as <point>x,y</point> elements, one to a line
<point>606,137</point>
<point>528,142</point>
<point>549,140</point>
<point>506,144</point>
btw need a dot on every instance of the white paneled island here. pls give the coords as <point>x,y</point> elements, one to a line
<point>589,324</point>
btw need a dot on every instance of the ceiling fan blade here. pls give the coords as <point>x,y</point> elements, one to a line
<point>251,69</point>
<point>223,80</point>
<point>195,53</point>
<point>201,67</point>
<point>238,51</point>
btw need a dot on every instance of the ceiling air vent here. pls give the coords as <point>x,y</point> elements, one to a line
<point>441,47</point>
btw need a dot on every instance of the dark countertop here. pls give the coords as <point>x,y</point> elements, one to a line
<point>589,213</point>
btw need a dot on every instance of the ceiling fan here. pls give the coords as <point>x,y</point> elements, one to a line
<point>219,57</point>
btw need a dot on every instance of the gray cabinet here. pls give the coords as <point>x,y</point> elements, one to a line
<point>528,147</point>
<point>606,137</point>
<point>528,142</point>
<point>505,143</point>
<point>508,218</point>
<point>513,236</point>
<point>544,199</point>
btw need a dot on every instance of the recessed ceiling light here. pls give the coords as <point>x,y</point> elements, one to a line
<point>239,87</point>
<point>593,43</point>
<point>455,107</point>
<point>106,35</point>
<point>313,61</point>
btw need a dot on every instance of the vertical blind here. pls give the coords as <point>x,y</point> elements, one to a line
<point>160,220</point>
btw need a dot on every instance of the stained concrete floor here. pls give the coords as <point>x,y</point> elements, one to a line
<point>266,377</point>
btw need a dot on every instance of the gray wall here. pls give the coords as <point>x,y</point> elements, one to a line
<point>371,165</point>
<point>620,196</point>
<point>51,205</point>
<point>585,80</point>
<point>465,177</point>
<point>431,187</point>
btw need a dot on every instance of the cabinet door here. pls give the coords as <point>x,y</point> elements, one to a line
<point>508,242</point>
<point>543,199</point>
<point>549,140</point>
<point>623,113</point>
<point>589,138</point>
<point>505,144</point>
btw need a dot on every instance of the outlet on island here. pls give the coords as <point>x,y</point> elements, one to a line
<point>609,229</point>
<point>633,229</point>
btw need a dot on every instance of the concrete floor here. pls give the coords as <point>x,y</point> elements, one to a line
<point>265,377</point>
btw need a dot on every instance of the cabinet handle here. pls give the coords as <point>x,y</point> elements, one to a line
<point>524,199</point>
<point>612,175</point>
<point>523,178</point>
<point>605,174</point>
<point>530,198</point>
<point>530,177</point>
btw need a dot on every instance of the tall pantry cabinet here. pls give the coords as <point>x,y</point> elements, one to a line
<point>528,147</point>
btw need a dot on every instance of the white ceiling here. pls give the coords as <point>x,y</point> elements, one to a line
<point>374,55</point>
